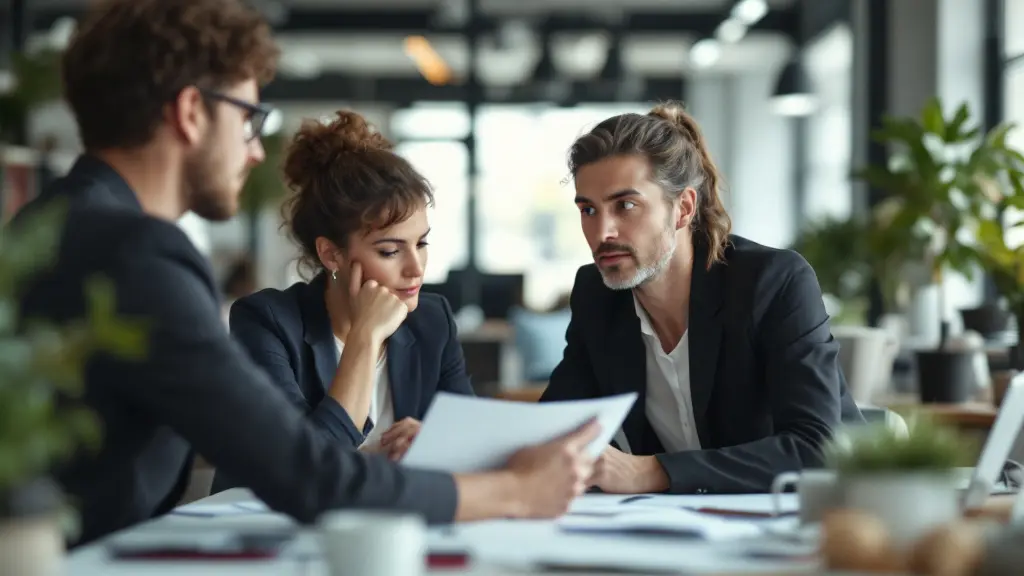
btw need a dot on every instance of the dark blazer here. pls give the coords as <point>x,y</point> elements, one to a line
<point>196,388</point>
<point>764,374</point>
<point>288,333</point>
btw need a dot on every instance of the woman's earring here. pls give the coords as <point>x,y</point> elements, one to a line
<point>334,275</point>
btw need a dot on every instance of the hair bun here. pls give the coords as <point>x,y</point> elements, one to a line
<point>671,111</point>
<point>675,113</point>
<point>318,146</point>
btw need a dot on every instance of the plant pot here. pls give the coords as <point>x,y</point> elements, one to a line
<point>909,504</point>
<point>988,319</point>
<point>945,376</point>
<point>31,534</point>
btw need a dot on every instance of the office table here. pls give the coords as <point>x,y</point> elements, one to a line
<point>498,548</point>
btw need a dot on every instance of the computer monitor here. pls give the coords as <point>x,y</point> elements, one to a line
<point>498,292</point>
<point>1001,439</point>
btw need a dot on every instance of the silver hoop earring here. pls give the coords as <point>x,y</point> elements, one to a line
<point>334,275</point>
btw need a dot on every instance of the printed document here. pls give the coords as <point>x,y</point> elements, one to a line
<point>471,434</point>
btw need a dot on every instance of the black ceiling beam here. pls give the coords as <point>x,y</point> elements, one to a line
<point>404,91</point>
<point>819,16</point>
<point>703,23</point>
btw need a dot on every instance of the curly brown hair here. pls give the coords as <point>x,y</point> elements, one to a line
<point>346,179</point>
<point>672,142</point>
<point>129,58</point>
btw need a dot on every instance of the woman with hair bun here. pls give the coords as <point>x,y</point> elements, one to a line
<point>358,347</point>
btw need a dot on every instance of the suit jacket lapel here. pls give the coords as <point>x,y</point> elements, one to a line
<point>317,331</point>
<point>626,364</point>
<point>404,374</point>
<point>705,334</point>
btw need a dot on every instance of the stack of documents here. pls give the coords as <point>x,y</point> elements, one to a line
<point>470,434</point>
<point>660,521</point>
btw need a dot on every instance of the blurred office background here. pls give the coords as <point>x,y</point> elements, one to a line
<point>485,97</point>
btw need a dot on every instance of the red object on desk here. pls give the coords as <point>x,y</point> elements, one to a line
<point>447,560</point>
<point>739,513</point>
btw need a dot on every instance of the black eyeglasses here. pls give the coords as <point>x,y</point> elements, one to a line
<point>262,120</point>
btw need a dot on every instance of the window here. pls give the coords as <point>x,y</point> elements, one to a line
<point>526,216</point>
<point>446,165</point>
<point>827,187</point>
<point>1013,98</point>
<point>1013,27</point>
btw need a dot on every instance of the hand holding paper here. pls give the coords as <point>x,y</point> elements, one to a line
<point>466,434</point>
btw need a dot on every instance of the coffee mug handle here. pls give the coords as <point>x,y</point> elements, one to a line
<point>779,485</point>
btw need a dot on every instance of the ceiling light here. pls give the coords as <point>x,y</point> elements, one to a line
<point>750,11</point>
<point>731,31</point>
<point>429,63</point>
<point>705,52</point>
<point>794,95</point>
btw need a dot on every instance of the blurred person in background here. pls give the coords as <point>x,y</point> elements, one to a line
<point>166,97</point>
<point>239,282</point>
<point>358,348</point>
<point>726,341</point>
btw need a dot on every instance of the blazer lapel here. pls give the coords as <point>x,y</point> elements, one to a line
<point>317,331</point>
<point>404,374</point>
<point>626,365</point>
<point>705,335</point>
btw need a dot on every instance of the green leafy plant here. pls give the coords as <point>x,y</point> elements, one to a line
<point>879,448</point>
<point>37,77</point>
<point>265,185</point>
<point>42,363</point>
<point>937,186</point>
<point>838,251</point>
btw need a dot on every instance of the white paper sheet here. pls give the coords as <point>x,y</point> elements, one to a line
<point>662,520</point>
<point>471,434</point>
<point>211,510</point>
<point>722,503</point>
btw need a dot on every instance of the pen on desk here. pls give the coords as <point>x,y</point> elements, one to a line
<point>740,513</point>
<point>728,512</point>
<point>636,498</point>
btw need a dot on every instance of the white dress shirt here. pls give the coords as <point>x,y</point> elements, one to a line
<point>382,410</point>
<point>669,404</point>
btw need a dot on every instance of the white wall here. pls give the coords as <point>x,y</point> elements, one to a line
<point>754,149</point>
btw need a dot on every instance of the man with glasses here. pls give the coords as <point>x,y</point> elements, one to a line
<point>166,97</point>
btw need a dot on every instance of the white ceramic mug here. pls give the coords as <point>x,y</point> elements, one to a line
<point>373,543</point>
<point>817,492</point>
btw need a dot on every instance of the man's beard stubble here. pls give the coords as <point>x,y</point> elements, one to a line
<point>211,197</point>
<point>643,273</point>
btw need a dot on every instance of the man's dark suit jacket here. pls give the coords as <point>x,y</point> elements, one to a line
<point>288,333</point>
<point>197,389</point>
<point>764,375</point>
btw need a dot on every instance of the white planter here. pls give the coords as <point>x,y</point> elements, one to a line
<point>31,546</point>
<point>909,504</point>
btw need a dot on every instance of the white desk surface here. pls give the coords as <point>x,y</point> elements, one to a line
<point>498,548</point>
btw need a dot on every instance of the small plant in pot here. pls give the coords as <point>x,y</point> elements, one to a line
<point>907,480</point>
<point>41,423</point>
<point>936,192</point>
<point>837,250</point>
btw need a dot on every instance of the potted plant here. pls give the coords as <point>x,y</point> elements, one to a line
<point>908,480</point>
<point>1001,258</point>
<point>265,186</point>
<point>41,425</point>
<point>934,184</point>
<point>837,250</point>
<point>36,80</point>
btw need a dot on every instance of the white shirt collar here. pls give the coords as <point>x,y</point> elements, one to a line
<point>645,320</point>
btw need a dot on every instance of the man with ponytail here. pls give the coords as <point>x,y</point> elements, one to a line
<point>726,341</point>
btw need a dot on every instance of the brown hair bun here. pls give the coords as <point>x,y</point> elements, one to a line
<point>318,146</point>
